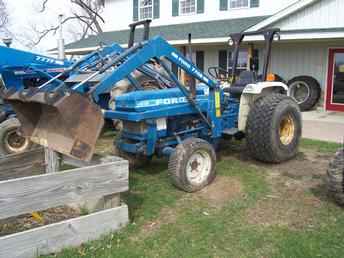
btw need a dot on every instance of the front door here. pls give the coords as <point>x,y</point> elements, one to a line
<point>335,81</point>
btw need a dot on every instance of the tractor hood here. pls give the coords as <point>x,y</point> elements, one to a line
<point>140,101</point>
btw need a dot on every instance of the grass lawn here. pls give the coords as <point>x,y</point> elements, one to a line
<point>251,210</point>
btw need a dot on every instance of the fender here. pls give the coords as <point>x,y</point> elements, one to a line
<point>251,93</point>
<point>260,87</point>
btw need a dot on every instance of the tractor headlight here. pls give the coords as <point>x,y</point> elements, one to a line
<point>277,37</point>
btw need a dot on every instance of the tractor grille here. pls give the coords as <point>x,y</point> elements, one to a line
<point>135,127</point>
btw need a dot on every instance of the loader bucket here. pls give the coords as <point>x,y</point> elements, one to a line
<point>67,123</point>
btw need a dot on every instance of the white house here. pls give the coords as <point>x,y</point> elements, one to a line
<point>312,38</point>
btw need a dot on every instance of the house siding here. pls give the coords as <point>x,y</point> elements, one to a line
<point>287,60</point>
<point>291,60</point>
<point>321,15</point>
<point>295,59</point>
<point>119,13</point>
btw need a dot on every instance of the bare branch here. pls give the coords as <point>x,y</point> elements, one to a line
<point>44,33</point>
<point>87,15</point>
<point>44,6</point>
<point>3,15</point>
<point>87,8</point>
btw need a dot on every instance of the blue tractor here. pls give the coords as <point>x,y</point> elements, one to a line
<point>21,70</point>
<point>187,124</point>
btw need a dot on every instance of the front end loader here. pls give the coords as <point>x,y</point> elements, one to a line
<point>21,70</point>
<point>186,124</point>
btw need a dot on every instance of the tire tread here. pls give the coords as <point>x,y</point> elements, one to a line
<point>177,160</point>
<point>259,126</point>
<point>335,177</point>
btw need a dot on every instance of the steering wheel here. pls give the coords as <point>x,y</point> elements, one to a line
<point>218,73</point>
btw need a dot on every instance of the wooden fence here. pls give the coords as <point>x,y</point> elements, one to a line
<point>97,187</point>
<point>24,164</point>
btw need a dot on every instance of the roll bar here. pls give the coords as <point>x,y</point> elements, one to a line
<point>237,39</point>
<point>146,25</point>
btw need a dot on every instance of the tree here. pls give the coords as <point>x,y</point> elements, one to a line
<point>3,16</point>
<point>85,15</point>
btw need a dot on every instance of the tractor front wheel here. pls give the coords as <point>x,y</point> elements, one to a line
<point>10,141</point>
<point>335,177</point>
<point>191,166</point>
<point>273,129</point>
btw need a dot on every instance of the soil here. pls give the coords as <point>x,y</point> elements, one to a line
<point>222,191</point>
<point>297,190</point>
<point>29,221</point>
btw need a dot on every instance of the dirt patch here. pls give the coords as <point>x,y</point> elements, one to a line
<point>28,221</point>
<point>290,209</point>
<point>293,201</point>
<point>166,216</point>
<point>306,166</point>
<point>222,191</point>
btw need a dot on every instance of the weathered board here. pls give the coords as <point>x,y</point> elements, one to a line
<point>23,164</point>
<point>53,238</point>
<point>96,160</point>
<point>25,195</point>
<point>52,161</point>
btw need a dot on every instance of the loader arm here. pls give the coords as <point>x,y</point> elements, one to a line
<point>138,55</point>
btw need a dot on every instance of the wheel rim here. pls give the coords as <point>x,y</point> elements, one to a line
<point>299,91</point>
<point>14,142</point>
<point>198,167</point>
<point>287,130</point>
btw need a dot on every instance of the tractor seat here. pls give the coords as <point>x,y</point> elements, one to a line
<point>245,78</point>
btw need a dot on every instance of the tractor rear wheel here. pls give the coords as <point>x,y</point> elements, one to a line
<point>191,166</point>
<point>273,128</point>
<point>335,177</point>
<point>10,141</point>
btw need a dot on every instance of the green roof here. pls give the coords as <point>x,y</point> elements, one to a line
<point>199,30</point>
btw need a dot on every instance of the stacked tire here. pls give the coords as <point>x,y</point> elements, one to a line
<point>306,91</point>
<point>335,177</point>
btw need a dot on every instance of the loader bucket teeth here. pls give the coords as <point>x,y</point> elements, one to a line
<point>67,123</point>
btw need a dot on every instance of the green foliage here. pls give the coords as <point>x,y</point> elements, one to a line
<point>320,146</point>
<point>166,222</point>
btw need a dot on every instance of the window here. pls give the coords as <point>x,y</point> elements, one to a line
<point>225,60</point>
<point>239,4</point>
<point>146,9</point>
<point>187,7</point>
<point>242,60</point>
<point>101,3</point>
<point>200,60</point>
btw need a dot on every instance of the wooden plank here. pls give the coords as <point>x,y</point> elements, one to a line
<point>71,233</point>
<point>52,161</point>
<point>94,204</point>
<point>28,163</point>
<point>25,195</point>
<point>95,161</point>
